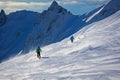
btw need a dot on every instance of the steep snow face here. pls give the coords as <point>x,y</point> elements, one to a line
<point>14,33</point>
<point>105,11</point>
<point>3,18</point>
<point>93,55</point>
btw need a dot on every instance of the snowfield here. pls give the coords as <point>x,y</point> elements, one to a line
<point>94,55</point>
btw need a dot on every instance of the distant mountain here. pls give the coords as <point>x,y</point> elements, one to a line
<point>3,18</point>
<point>49,26</point>
<point>104,11</point>
<point>14,32</point>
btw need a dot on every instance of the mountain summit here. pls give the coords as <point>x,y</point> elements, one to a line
<point>56,7</point>
<point>54,4</point>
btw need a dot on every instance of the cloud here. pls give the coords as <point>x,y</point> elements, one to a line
<point>15,4</point>
<point>72,2</point>
<point>96,0</point>
<point>8,10</point>
<point>69,2</point>
<point>12,6</point>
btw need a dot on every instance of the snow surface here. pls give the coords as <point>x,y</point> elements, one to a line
<point>94,55</point>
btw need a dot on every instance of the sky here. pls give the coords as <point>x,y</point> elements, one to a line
<point>74,6</point>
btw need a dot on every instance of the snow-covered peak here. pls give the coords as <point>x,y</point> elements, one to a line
<point>54,4</point>
<point>56,8</point>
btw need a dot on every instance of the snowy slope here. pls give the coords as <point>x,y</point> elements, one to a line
<point>94,55</point>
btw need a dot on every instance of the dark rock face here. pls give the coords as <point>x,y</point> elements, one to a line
<point>3,18</point>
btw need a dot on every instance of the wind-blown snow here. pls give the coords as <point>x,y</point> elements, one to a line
<point>94,55</point>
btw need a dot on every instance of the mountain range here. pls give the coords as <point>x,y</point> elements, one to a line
<point>74,47</point>
<point>22,31</point>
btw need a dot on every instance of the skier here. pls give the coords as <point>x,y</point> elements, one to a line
<point>38,51</point>
<point>72,39</point>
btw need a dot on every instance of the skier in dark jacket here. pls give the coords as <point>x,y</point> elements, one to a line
<point>72,39</point>
<point>38,51</point>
